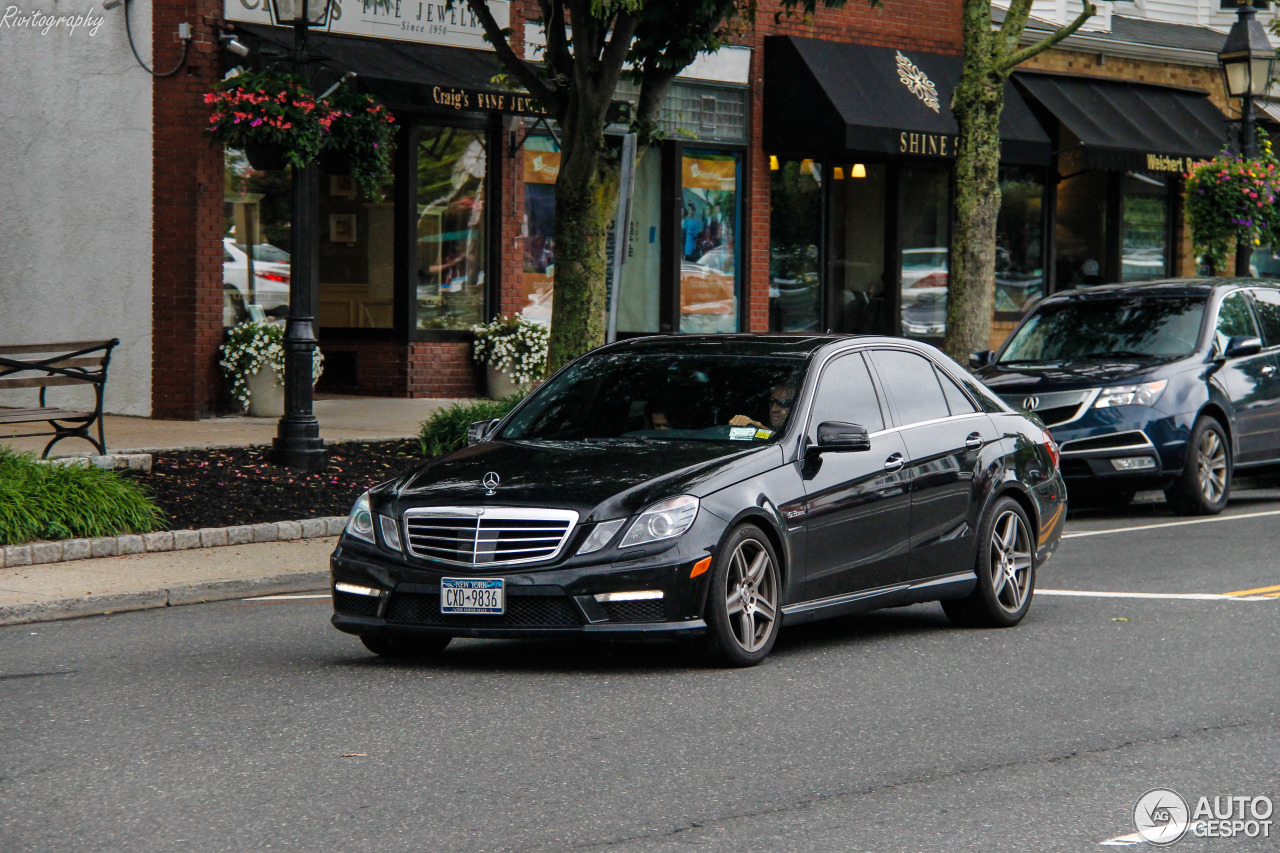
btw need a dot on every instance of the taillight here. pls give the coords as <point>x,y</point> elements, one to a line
<point>272,276</point>
<point>1052,446</point>
<point>936,279</point>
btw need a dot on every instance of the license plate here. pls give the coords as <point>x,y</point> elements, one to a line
<point>473,595</point>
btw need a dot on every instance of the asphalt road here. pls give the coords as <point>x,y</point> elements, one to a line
<point>255,726</point>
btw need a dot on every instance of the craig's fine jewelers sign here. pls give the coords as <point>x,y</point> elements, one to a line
<point>404,20</point>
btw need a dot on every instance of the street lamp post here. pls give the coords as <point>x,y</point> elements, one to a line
<point>1246,59</point>
<point>298,444</point>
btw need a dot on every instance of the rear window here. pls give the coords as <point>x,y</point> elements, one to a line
<point>1149,327</point>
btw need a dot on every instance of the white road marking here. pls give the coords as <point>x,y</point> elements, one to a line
<point>1172,596</point>
<point>1214,520</point>
<point>1124,840</point>
<point>294,597</point>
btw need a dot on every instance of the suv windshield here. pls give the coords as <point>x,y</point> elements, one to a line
<point>660,396</point>
<point>1163,327</point>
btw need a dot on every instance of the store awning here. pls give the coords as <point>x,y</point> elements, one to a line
<point>1125,126</point>
<point>828,98</point>
<point>408,75</point>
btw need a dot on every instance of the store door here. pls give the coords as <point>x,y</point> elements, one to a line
<point>859,302</point>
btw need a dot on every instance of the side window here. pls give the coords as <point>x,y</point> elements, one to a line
<point>1267,302</point>
<point>846,394</point>
<point>912,385</point>
<point>1234,319</point>
<point>956,400</point>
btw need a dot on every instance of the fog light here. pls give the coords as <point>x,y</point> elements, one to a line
<point>638,595</point>
<point>357,590</point>
<point>1133,463</point>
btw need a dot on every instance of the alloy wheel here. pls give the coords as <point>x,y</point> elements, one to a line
<point>751,595</point>
<point>1213,466</point>
<point>1010,561</point>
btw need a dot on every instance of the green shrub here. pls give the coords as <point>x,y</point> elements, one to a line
<point>446,430</point>
<point>40,501</point>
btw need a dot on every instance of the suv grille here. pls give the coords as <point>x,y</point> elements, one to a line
<point>487,536</point>
<point>1054,408</point>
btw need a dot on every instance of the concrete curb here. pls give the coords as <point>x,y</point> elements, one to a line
<point>199,593</point>
<point>39,553</point>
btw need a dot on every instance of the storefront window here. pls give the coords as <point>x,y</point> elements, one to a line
<point>538,226</point>
<point>1081,229</point>
<point>255,242</point>
<point>926,237</point>
<point>357,262</point>
<point>857,257</point>
<point>451,228</point>
<point>1019,240</point>
<point>795,233</point>
<point>1145,230</point>
<point>708,234</point>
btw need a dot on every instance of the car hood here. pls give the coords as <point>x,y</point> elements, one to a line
<point>1064,376</point>
<point>604,479</point>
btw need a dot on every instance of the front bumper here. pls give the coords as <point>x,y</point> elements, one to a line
<point>1123,448</point>
<point>554,602</point>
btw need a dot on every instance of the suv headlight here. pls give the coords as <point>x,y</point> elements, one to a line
<point>360,520</point>
<point>1145,394</point>
<point>663,520</point>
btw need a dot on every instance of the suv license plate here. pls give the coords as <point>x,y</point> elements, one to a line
<point>485,596</point>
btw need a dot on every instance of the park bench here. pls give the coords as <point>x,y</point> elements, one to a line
<point>48,365</point>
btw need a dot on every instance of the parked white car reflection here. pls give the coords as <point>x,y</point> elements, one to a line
<point>270,280</point>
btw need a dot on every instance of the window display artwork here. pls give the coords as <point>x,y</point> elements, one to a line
<point>708,246</point>
<point>451,228</point>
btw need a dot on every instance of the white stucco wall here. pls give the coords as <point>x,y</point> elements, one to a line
<point>75,185</point>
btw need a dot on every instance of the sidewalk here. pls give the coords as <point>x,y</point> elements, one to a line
<point>65,590</point>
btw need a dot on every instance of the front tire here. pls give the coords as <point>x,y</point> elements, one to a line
<point>399,647</point>
<point>1205,484</point>
<point>744,605</point>
<point>1006,569</point>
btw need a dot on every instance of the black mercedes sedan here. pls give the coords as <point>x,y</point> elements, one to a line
<point>1167,385</point>
<point>712,488</point>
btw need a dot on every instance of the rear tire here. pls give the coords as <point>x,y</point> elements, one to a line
<point>744,605</point>
<point>1205,484</point>
<point>1006,569</point>
<point>399,647</point>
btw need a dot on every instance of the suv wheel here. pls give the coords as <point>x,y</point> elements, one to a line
<point>1205,483</point>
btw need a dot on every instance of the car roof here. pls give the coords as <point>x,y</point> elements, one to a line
<point>1162,287</point>
<point>799,346</point>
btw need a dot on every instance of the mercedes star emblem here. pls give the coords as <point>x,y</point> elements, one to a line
<point>1030,403</point>
<point>490,482</point>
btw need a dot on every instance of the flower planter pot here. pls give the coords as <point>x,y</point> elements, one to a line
<point>266,394</point>
<point>265,156</point>
<point>501,385</point>
<point>334,162</point>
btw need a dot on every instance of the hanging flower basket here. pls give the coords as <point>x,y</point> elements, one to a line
<point>268,108</point>
<point>265,156</point>
<point>360,135</point>
<point>1229,198</point>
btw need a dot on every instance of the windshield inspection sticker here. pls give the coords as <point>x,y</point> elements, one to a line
<point>764,433</point>
<point>741,433</point>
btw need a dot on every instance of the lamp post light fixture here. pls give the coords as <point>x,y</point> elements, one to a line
<point>298,444</point>
<point>1247,60</point>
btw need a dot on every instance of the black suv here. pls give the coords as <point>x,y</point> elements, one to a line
<point>1165,384</point>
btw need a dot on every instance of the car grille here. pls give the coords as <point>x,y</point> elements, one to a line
<point>525,611</point>
<point>487,536</point>
<point>635,611</point>
<point>351,604</point>
<point>1056,408</point>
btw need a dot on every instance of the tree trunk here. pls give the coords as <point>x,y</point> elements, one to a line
<point>978,101</point>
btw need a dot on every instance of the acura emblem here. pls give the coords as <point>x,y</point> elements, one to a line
<point>1030,403</point>
<point>490,482</point>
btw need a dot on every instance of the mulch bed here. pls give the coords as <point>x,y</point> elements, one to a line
<point>222,488</point>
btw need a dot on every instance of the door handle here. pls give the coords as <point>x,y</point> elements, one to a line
<point>974,441</point>
<point>1268,370</point>
<point>894,462</point>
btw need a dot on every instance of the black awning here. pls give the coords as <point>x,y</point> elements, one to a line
<point>828,98</point>
<point>408,75</point>
<point>1120,125</point>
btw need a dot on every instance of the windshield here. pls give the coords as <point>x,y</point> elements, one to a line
<point>663,397</point>
<point>1165,327</point>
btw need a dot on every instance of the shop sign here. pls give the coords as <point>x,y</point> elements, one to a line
<point>452,97</point>
<point>1161,163</point>
<point>400,20</point>
<point>927,144</point>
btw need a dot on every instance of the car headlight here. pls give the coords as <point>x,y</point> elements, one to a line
<point>360,520</point>
<point>663,520</point>
<point>601,535</point>
<point>1145,394</point>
